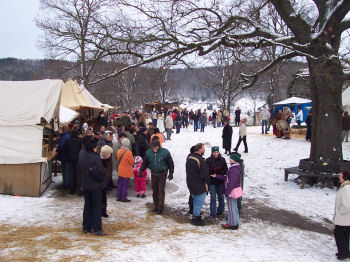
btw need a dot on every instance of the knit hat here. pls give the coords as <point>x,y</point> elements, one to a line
<point>138,159</point>
<point>235,157</point>
<point>125,142</point>
<point>215,149</point>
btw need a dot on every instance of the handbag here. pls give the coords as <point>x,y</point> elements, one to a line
<point>237,192</point>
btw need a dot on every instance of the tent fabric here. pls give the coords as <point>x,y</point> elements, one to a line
<point>26,102</point>
<point>67,115</point>
<point>73,97</point>
<point>93,99</point>
<point>293,100</point>
<point>21,144</point>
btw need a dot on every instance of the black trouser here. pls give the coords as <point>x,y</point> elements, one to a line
<point>244,138</point>
<point>341,236</point>
<point>158,187</point>
<point>92,209</point>
<point>237,120</point>
<point>104,202</point>
<point>74,179</point>
<point>190,204</point>
<point>308,133</point>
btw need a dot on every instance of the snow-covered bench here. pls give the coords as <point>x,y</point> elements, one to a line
<point>304,174</point>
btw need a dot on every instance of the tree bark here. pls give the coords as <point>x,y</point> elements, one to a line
<point>326,80</point>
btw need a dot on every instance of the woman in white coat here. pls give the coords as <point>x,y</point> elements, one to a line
<point>242,135</point>
<point>160,123</point>
<point>342,216</point>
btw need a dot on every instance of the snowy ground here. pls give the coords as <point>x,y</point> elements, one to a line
<point>48,228</point>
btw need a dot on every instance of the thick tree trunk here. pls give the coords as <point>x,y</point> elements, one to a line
<point>326,81</point>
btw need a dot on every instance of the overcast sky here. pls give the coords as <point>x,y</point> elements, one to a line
<point>18,32</point>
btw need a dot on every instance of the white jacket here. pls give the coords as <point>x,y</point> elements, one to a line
<point>242,130</point>
<point>265,114</point>
<point>169,122</point>
<point>342,205</point>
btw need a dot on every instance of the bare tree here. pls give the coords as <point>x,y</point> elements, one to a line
<point>314,32</point>
<point>68,27</point>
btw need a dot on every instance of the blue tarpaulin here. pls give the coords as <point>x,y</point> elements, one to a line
<point>293,103</point>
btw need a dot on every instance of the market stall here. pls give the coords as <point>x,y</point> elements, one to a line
<point>28,122</point>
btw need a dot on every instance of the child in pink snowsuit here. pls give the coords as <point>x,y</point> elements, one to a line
<point>140,182</point>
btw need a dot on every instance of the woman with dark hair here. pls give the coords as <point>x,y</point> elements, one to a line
<point>342,216</point>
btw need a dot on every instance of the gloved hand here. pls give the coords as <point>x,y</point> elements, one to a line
<point>170,176</point>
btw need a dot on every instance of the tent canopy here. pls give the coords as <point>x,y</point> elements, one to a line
<point>93,99</point>
<point>74,97</point>
<point>22,105</point>
<point>26,102</point>
<point>293,103</point>
<point>67,115</point>
<point>293,100</point>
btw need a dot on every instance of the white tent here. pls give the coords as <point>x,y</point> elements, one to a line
<point>23,104</point>
<point>293,100</point>
<point>93,99</point>
<point>67,115</point>
<point>346,99</point>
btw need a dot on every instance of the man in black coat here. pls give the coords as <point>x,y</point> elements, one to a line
<point>237,116</point>
<point>92,189</point>
<point>197,178</point>
<point>217,170</point>
<point>71,150</point>
<point>308,122</point>
<point>227,137</point>
<point>142,144</point>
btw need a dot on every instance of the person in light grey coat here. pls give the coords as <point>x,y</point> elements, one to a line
<point>242,135</point>
<point>264,116</point>
<point>168,125</point>
<point>342,216</point>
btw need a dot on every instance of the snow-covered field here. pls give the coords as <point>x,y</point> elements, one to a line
<point>48,228</point>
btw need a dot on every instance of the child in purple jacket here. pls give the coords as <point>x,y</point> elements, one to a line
<point>233,180</point>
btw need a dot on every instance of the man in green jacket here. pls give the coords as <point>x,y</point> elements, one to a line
<point>159,161</point>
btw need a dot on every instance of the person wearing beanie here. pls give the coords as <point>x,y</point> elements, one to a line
<point>217,169</point>
<point>125,170</point>
<point>232,181</point>
<point>106,157</point>
<point>140,182</point>
<point>159,161</point>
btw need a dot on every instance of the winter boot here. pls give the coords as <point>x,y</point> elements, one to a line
<point>197,221</point>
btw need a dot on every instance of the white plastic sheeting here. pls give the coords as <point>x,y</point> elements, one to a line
<point>67,115</point>
<point>25,102</point>
<point>21,144</point>
<point>93,100</point>
<point>294,100</point>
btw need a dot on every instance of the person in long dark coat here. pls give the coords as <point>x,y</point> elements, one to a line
<point>227,137</point>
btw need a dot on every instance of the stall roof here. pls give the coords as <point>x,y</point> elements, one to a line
<point>67,115</point>
<point>74,97</point>
<point>93,99</point>
<point>293,100</point>
<point>26,102</point>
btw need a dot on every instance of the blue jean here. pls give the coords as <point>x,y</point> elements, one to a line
<point>264,123</point>
<point>154,121</point>
<point>64,167</point>
<point>214,122</point>
<point>202,127</point>
<point>233,215</point>
<point>198,202</point>
<point>195,125</point>
<point>216,190</point>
